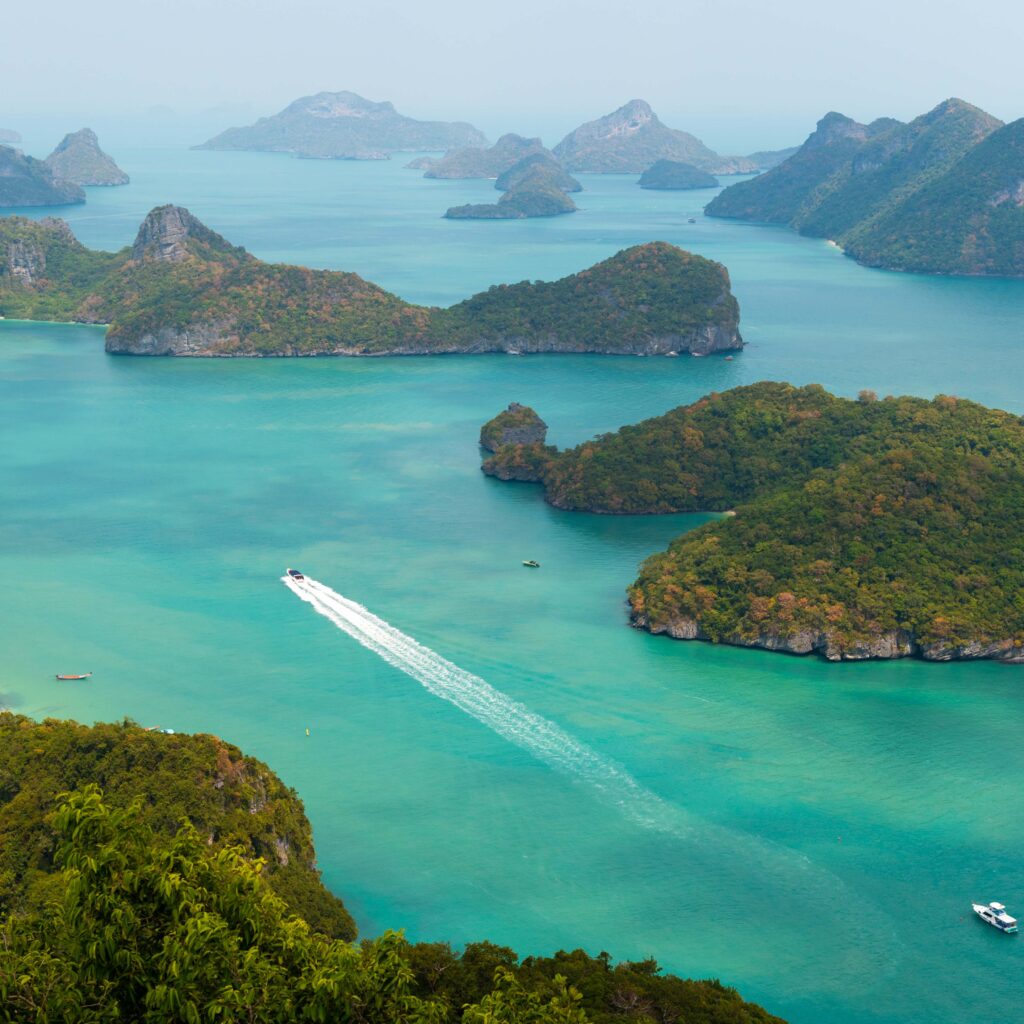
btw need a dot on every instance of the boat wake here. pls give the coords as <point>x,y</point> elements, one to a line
<point>725,858</point>
<point>508,718</point>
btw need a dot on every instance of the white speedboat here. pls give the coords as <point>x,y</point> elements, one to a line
<point>995,914</point>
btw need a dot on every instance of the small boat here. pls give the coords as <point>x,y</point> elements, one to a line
<point>995,914</point>
<point>728,359</point>
<point>78,675</point>
<point>692,220</point>
<point>295,574</point>
<point>530,563</point>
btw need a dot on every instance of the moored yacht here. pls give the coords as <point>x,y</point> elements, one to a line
<point>995,914</point>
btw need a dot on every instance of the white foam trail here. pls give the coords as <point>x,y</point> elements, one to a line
<point>789,877</point>
<point>508,718</point>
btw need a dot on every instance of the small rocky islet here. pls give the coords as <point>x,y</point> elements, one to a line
<point>673,175</point>
<point>79,159</point>
<point>858,529</point>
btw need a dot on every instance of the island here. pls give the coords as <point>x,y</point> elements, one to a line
<point>345,126</point>
<point>630,139</point>
<point>478,162</point>
<point>181,289</point>
<point>25,181</point>
<point>528,199</point>
<point>538,167</point>
<point>142,880</point>
<point>939,195</point>
<point>79,159</point>
<point>766,159</point>
<point>856,529</point>
<point>673,175</point>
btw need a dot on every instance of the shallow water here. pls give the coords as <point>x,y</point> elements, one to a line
<point>811,833</point>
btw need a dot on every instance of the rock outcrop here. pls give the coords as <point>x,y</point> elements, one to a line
<point>630,139</point>
<point>165,234</point>
<point>25,181</point>
<point>79,159</point>
<point>345,126</point>
<point>518,424</point>
<point>885,646</point>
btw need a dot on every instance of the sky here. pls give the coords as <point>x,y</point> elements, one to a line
<point>740,74</point>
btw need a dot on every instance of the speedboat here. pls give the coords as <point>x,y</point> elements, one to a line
<point>80,675</point>
<point>295,574</point>
<point>531,564</point>
<point>995,914</point>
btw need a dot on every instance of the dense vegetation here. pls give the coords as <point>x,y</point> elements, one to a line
<point>182,289</point>
<point>938,195</point>
<point>25,181</point>
<point>861,528</point>
<point>672,174</point>
<point>146,923</point>
<point>969,220</point>
<point>232,799</point>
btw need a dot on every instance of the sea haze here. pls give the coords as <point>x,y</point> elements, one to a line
<point>811,833</point>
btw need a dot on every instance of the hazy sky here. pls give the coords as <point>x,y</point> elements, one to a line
<point>741,74</point>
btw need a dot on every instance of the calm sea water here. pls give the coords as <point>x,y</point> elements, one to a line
<point>811,833</point>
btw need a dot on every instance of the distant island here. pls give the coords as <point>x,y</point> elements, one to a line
<point>79,159</point>
<point>940,195</point>
<point>856,529</point>
<point>171,877</point>
<point>672,175</point>
<point>480,162</point>
<point>537,186</point>
<point>181,289</point>
<point>345,126</point>
<point>25,181</point>
<point>9,135</point>
<point>630,139</point>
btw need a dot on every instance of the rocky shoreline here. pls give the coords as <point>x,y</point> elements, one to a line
<point>886,645</point>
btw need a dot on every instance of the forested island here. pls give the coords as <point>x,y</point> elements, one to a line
<point>181,289</point>
<point>536,185</point>
<point>940,195</point>
<point>141,879</point>
<point>857,529</point>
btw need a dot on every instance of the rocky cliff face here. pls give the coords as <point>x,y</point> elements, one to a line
<point>79,159</point>
<point>169,234</point>
<point>26,258</point>
<point>518,424</point>
<point>886,645</point>
<point>25,181</point>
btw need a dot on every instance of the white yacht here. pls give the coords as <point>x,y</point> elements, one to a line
<point>995,914</point>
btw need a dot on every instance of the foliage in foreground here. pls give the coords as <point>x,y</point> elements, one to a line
<point>854,519</point>
<point>231,799</point>
<point>167,929</point>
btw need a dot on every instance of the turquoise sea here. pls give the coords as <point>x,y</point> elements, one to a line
<point>811,833</point>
